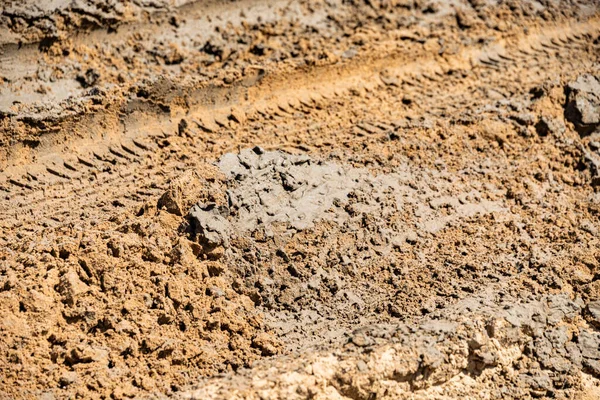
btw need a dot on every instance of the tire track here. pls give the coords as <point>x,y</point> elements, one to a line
<point>271,101</point>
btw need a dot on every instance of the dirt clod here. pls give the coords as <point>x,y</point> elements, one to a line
<point>583,103</point>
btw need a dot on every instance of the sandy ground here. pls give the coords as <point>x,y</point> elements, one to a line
<point>378,199</point>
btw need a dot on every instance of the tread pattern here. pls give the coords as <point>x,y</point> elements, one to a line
<point>118,166</point>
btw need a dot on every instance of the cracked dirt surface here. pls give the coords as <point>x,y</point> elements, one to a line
<point>300,199</point>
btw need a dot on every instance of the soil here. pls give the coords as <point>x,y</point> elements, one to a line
<point>378,199</point>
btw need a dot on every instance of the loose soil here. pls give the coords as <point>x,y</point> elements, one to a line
<point>300,199</point>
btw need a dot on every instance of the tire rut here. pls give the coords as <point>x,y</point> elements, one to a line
<point>272,100</point>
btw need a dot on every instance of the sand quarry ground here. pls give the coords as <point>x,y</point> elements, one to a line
<point>312,199</point>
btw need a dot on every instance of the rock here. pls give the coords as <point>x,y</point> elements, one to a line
<point>215,292</point>
<point>592,367</point>
<point>524,119</point>
<point>213,230</point>
<point>206,124</point>
<point>350,53</point>
<point>175,290</point>
<point>558,337</point>
<point>583,103</point>
<point>361,366</point>
<point>397,241</point>
<point>411,237</point>
<point>68,378</point>
<point>589,344</point>
<point>172,54</point>
<point>559,364</point>
<point>361,340</point>
<point>431,358</point>
<point>165,319</point>
<point>37,301</point>
<point>185,253</point>
<point>542,348</point>
<point>538,381</point>
<point>485,358</point>
<point>561,307</point>
<point>574,354</point>
<point>592,313</point>
<point>127,327</point>
<point>47,396</point>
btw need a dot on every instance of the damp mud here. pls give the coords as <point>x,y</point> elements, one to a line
<point>300,200</point>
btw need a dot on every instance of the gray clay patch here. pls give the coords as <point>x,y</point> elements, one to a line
<point>265,188</point>
<point>275,187</point>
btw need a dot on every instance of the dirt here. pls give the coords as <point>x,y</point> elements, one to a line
<point>300,200</point>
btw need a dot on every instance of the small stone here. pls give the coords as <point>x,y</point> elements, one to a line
<point>215,268</point>
<point>398,241</point>
<point>215,292</point>
<point>86,354</point>
<point>411,237</point>
<point>592,313</point>
<point>206,124</point>
<point>592,367</point>
<point>589,344</point>
<point>350,53</point>
<point>127,327</point>
<point>212,229</point>
<point>361,340</point>
<point>165,319</point>
<point>583,103</point>
<point>68,378</point>
<point>525,119</point>
<point>362,366</point>
<point>486,357</point>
